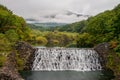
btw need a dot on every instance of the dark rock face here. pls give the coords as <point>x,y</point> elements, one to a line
<point>110,60</point>
<point>103,50</point>
<point>26,53</point>
<point>9,71</point>
<point>23,51</point>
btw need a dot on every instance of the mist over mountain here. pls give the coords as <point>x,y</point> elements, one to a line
<point>60,11</point>
<point>43,24</point>
<point>59,17</point>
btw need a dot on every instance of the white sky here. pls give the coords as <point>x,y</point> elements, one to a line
<point>42,10</point>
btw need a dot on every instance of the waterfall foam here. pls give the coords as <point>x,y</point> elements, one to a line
<point>78,59</point>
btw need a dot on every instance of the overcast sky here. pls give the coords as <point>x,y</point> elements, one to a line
<point>58,10</point>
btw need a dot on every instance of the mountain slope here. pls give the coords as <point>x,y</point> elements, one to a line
<point>104,27</point>
<point>12,28</point>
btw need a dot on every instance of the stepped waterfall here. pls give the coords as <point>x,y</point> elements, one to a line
<point>58,59</point>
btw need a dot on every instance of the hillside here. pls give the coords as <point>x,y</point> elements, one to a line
<point>104,27</point>
<point>73,27</point>
<point>102,23</point>
<point>45,26</point>
<point>12,28</point>
<point>48,24</point>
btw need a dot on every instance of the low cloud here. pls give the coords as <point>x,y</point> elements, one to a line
<point>58,10</point>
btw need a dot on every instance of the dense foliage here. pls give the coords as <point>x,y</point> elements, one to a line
<point>104,27</point>
<point>12,29</point>
<point>40,28</point>
<point>52,39</point>
<point>50,26</point>
<point>74,27</point>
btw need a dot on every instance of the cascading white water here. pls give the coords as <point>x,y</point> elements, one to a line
<point>66,59</point>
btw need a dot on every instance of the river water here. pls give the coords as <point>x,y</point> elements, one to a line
<point>66,75</point>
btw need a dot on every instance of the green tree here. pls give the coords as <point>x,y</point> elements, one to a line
<point>11,35</point>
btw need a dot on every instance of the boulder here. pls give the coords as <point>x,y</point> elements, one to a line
<point>103,50</point>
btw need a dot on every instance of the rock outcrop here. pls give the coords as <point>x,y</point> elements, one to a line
<point>110,60</point>
<point>26,53</point>
<point>103,50</point>
<point>9,71</point>
<point>22,51</point>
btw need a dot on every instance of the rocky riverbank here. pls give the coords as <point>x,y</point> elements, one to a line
<point>110,60</point>
<point>9,70</point>
<point>19,59</point>
<point>22,57</point>
<point>26,54</point>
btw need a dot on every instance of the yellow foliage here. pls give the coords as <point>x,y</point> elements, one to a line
<point>41,40</point>
<point>55,42</point>
<point>113,44</point>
